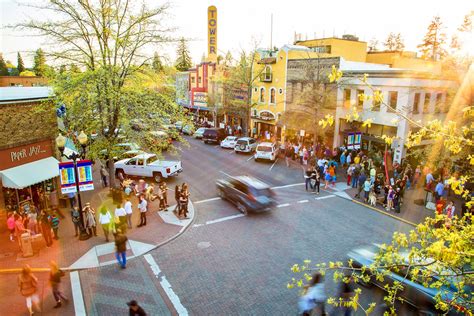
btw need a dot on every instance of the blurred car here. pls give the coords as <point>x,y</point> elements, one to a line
<point>414,293</point>
<point>245,145</point>
<point>247,193</point>
<point>267,151</point>
<point>229,142</point>
<point>198,134</point>
<point>179,126</point>
<point>213,135</point>
<point>122,151</point>
<point>188,129</point>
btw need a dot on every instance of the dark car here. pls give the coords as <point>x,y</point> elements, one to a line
<point>247,193</point>
<point>213,135</point>
<point>414,293</point>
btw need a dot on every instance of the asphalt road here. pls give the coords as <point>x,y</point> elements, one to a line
<point>227,263</point>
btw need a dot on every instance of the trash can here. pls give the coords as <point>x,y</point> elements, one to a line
<point>26,247</point>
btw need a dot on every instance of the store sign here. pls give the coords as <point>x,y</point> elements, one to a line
<point>68,179</point>
<point>212,31</point>
<point>302,132</point>
<point>354,140</point>
<point>266,115</point>
<point>200,99</point>
<point>16,156</point>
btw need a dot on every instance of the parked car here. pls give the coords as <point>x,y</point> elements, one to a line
<point>148,165</point>
<point>268,151</point>
<point>414,293</point>
<point>213,135</point>
<point>247,193</point>
<point>188,129</point>
<point>179,126</point>
<point>198,134</point>
<point>122,151</point>
<point>245,145</point>
<point>229,142</point>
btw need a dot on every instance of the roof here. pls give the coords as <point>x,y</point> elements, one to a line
<point>266,144</point>
<point>245,138</point>
<point>144,156</point>
<point>257,184</point>
<point>10,94</point>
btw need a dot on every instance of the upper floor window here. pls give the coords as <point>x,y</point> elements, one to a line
<point>392,101</point>
<point>439,102</point>
<point>199,79</point>
<point>360,98</point>
<point>272,95</point>
<point>416,103</point>
<point>266,74</point>
<point>376,103</point>
<point>193,79</point>
<point>323,49</point>
<point>262,95</point>
<point>347,98</point>
<point>426,103</point>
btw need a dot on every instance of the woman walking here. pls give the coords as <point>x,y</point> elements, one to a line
<point>184,198</point>
<point>315,296</point>
<point>28,285</point>
<point>76,220</point>
<point>177,195</point>
<point>89,217</point>
<point>55,276</point>
<point>105,220</point>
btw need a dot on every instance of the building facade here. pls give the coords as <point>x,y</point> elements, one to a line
<point>22,81</point>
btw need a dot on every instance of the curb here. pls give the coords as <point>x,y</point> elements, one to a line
<point>183,229</point>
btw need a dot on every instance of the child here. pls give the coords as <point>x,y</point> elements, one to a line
<point>390,197</point>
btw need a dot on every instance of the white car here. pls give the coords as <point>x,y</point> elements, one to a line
<point>229,142</point>
<point>148,165</point>
<point>198,134</point>
<point>268,151</point>
<point>245,145</point>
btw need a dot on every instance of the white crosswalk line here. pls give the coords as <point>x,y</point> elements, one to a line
<point>302,201</point>
<point>283,205</point>
<point>324,197</point>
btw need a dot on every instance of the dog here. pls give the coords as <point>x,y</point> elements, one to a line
<point>372,198</point>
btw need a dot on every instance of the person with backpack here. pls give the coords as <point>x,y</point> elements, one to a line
<point>355,176</point>
<point>54,221</point>
<point>28,284</point>
<point>55,276</point>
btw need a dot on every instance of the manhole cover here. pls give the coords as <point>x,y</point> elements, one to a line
<point>204,244</point>
<point>6,255</point>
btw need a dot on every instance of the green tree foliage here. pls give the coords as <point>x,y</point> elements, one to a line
<point>3,67</point>
<point>183,61</point>
<point>39,63</point>
<point>434,42</point>
<point>156,64</point>
<point>27,73</point>
<point>20,65</point>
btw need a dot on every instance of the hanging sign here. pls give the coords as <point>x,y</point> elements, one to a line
<point>212,32</point>
<point>68,179</point>
<point>350,141</point>
<point>357,140</point>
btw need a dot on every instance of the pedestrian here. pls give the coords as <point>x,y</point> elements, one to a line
<point>343,159</point>
<point>11,225</point>
<point>45,226</point>
<point>105,220</point>
<point>439,189</point>
<point>315,296</point>
<point>76,220</point>
<point>55,276</point>
<point>103,174</point>
<point>346,292</point>
<point>120,216</point>
<point>177,195</point>
<point>327,178</point>
<point>316,176</point>
<point>33,222</point>
<point>128,211</point>
<point>54,220</point>
<point>367,187</point>
<point>361,181</point>
<point>355,176</point>
<point>135,309</point>
<point>28,284</point>
<point>89,218</point>
<point>349,158</point>
<point>121,248</point>
<point>307,178</point>
<point>288,154</point>
<point>429,180</point>
<point>332,173</point>
<point>350,171</point>
<point>142,207</point>
<point>149,193</point>
<point>165,195</point>
<point>184,199</point>
<point>373,173</point>
<point>390,196</point>
<point>161,205</point>
<point>417,175</point>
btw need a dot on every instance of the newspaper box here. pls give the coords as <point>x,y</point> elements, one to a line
<point>26,246</point>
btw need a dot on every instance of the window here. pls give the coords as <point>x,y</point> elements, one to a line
<point>140,162</point>
<point>426,103</point>
<point>360,98</point>
<point>132,162</point>
<point>193,79</point>
<point>323,49</point>
<point>199,79</point>
<point>347,98</point>
<point>272,95</point>
<point>280,91</point>
<point>376,103</point>
<point>256,89</point>
<point>392,101</point>
<point>439,102</point>
<point>416,103</point>
<point>262,95</point>
<point>266,75</point>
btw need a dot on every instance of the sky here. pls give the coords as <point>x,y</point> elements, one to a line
<point>243,21</point>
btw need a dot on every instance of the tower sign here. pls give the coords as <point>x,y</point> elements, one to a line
<point>212,33</point>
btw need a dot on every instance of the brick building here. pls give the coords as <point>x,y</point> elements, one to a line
<point>22,81</point>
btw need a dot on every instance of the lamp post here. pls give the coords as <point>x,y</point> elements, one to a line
<point>61,143</point>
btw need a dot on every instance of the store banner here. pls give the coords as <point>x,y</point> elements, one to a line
<point>68,179</point>
<point>357,140</point>
<point>350,141</point>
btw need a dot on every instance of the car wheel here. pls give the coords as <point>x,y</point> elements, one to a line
<point>242,208</point>
<point>157,176</point>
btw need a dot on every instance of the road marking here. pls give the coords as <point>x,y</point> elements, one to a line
<point>303,201</point>
<point>251,157</point>
<point>197,225</point>
<point>232,151</point>
<point>224,219</point>
<point>324,197</point>
<point>273,164</point>
<point>79,307</point>
<point>216,146</point>
<point>180,309</point>
<point>283,205</point>
<point>207,200</point>
<point>287,186</point>
<point>225,174</point>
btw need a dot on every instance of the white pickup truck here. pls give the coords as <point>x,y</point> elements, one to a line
<point>148,165</point>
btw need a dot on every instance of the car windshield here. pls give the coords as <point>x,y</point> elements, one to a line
<point>242,142</point>
<point>264,149</point>
<point>229,139</point>
<point>200,130</point>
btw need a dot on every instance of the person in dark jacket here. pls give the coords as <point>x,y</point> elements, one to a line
<point>135,309</point>
<point>121,248</point>
<point>177,194</point>
<point>361,181</point>
<point>55,276</point>
<point>45,228</point>
<point>307,178</point>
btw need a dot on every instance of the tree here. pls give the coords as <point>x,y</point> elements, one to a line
<point>108,40</point>
<point>27,73</point>
<point>373,45</point>
<point>20,65</point>
<point>3,67</point>
<point>433,45</point>
<point>62,69</point>
<point>74,68</point>
<point>394,42</point>
<point>183,61</point>
<point>156,63</point>
<point>39,65</point>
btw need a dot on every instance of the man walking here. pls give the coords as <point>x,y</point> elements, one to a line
<point>361,181</point>
<point>142,207</point>
<point>307,178</point>
<point>103,174</point>
<point>121,248</point>
<point>135,309</point>
<point>128,211</point>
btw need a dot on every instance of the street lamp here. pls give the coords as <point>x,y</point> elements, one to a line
<point>74,156</point>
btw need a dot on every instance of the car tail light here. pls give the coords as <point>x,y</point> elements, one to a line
<point>251,197</point>
<point>168,170</point>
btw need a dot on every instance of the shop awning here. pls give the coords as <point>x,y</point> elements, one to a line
<point>31,173</point>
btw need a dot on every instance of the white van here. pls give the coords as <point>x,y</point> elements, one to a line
<point>268,151</point>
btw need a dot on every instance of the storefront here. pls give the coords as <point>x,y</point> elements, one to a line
<point>264,126</point>
<point>28,176</point>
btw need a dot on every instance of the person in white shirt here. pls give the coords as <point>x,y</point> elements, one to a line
<point>121,215</point>
<point>142,207</point>
<point>128,211</point>
<point>105,220</point>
